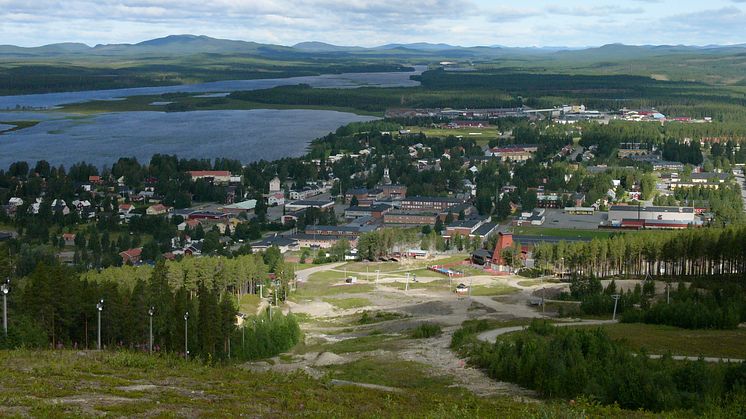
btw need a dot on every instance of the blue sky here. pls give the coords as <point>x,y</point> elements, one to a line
<point>571,23</point>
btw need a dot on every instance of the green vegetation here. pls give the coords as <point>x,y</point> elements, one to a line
<point>18,125</point>
<point>661,339</point>
<point>393,373</point>
<point>563,232</point>
<point>53,306</point>
<point>426,331</point>
<point>492,290</point>
<point>73,383</point>
<point>569,363</point>
<point>379,316</point>
<point>692,308</point>
<point>348,303</point>
<point>643,253</point>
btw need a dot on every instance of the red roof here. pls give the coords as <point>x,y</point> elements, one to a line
<point>131,253</point>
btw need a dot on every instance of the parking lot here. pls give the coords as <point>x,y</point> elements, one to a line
<point>556,218</point>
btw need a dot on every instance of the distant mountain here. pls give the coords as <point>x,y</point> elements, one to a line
<point>315,46</point>
<point>184,45</point>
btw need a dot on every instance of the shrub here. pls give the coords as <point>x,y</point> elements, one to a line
<point>426,330</point>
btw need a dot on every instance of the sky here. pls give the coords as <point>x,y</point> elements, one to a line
<point>571,23</point>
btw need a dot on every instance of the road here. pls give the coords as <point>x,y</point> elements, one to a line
<point>491,336</point>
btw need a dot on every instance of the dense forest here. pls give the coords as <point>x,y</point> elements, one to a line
<point>694,252</point>
<point>56,307</point>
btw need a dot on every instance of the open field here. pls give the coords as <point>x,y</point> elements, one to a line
<point>481,135</point>
<point>562,233</point>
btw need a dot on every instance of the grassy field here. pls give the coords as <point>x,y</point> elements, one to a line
<point>347,303</point>
<point>492,290</point>
<point>87,384</point>
<point>562,233</point>
<point>481,135</point>
<point>660,339</point>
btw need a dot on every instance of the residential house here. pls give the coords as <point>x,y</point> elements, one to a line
<point>158,209</point>
<point>131,256</point>
<point>69,239</point>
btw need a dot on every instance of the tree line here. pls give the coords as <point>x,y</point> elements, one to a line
<point>691,252</point>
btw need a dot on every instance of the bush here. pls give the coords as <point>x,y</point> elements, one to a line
<point>468,332</point>
<point>426,330</point>
<point>571,363</point>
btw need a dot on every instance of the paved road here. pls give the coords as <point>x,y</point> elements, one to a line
<point>491,336</point>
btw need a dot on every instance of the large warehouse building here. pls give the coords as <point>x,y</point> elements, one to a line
<point>631,216</point>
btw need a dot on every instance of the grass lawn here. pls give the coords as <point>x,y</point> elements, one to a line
<point>492,290</point>
<point>347,303</point>
<point>481,135</point>
<point>563,233</point>
<point>660,339</point>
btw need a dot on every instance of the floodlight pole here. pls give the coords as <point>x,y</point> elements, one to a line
<point>151,311</point>
<point>99,308</point>
<point>5,290</point>
<point>186,335</point>
<point>616,298</point>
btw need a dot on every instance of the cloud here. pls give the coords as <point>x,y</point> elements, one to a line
<point>728,21</point>
<point>600,10</point>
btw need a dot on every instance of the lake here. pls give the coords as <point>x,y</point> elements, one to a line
<point>246,135</point>
<point>345,80</point>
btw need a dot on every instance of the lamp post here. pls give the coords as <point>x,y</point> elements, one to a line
<point>99,309</point>
<point>406,285</point>
<point>668,286</point>
<point>5,288</point>
<point>151,311</point>
<point>378,275</point>
<point>616,300</point>
<point>186,335</point>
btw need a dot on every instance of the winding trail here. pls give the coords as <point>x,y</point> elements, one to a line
<point>491,336</point>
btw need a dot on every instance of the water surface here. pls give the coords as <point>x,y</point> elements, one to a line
<point>246,135</point>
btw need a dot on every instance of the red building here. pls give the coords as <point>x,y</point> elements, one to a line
<point>504,241</point>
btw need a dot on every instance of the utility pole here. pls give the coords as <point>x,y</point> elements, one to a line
<point>616,300</point>
<point>5,289</point>
<point>186,336</point>
<point>100,308</point>
<point>151,311</point>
